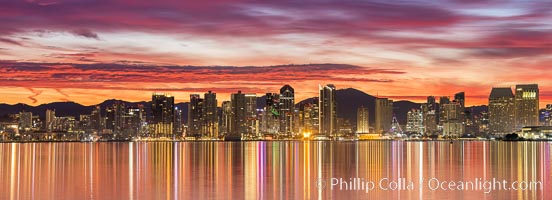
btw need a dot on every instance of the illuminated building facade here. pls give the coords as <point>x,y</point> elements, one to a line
<point>527,105</point>
<point>384,115</point>
<point>327,110</point>
<point>501,111</point>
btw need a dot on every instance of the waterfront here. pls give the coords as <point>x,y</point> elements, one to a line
<point>267,170</point>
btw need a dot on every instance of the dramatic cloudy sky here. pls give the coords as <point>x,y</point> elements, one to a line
<point>90,50</point>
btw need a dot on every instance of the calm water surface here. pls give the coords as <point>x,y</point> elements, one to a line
<point>271,170</point>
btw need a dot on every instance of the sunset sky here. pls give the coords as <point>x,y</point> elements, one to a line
<point>91,50</point>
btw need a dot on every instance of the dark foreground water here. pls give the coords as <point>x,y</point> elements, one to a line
<point>276,170</point>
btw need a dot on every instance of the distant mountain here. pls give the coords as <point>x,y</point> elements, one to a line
<point>477,110</point>
<point>75,109</point>
<point>401,108</point>
<point>62,109</point>
<point>350,99</point>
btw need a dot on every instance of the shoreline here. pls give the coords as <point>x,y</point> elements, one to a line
<point>284,140</point>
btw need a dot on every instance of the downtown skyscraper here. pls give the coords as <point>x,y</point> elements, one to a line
<point>527,105</point>
<point>327,110</point>
<point>271,115</point>
<point>195,116</point>
<point>430,116</point>
<point>210,114</point>
<point>384,115</point>
<point>162,108</point>
<point>363,120</point>
<point>501,111</point>
<point>202,115</point>
<point>251,114</point>
<point>415,121</point>
<point>287,108</point>
<point>238,122</point>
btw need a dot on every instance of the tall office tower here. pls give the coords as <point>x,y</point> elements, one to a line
<point>363,120</point>
<point>501,111</point>
<point>430,116</point>
<point>327,113</point>
<point>251,113</point>
<point>305,118</point>
<point>431,103</point>
<point>415,121</point>
<point>210,114</point>
<point>114,117</point>
<point>110,119</point>
<point>384,115</point>
<point>527,105</point>
<point>261,116</point>
<point>96,123</point>
<point>547,115</point>
<point>162,108</point>
<point>239,115</point>
<point>271,121</point>
<point>195,116</point>
<point>227,118</point>
<point>25,120</point>
<point>429,120</point>
<point>460,98</point>
<point>452,124</point>
<point>178,127</point>
<point>315,117</point>
<point>50,118</point>
<point>134,120</point>
<point>442,101</point>
<point>287,108</point>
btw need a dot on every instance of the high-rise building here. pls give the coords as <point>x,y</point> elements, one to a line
<point>114,117</point>
<point>384,115</point>
<point>239,115</point>
<point>452,123</point>
<point>178,126</point>
<point>431,103</point>
<point>547,115</point>
<point>271,117</point>
<point>460,98</point>
<point>251,113</point>
<point>414,121</point>
<point>195,116</point>
<point>25,120</point>
<point>363,120</point>
<point>308,118</point>
<point>227,118</point>
<point>287,108</point>
<point>430,116</point>
<point>50,118</point>
<point>327,110</point>
<point>96,122</point>
<point>527,105</point>
<point>501,111</point>
<point>162,108</point>
<point>134,121</point>
<point>210,114</point>
<point>442,101</point>
<point>430,122</point>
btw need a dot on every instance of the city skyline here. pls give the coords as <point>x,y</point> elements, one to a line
<point>243,118</point>
<point>58,51</point>
<point>226,95</point>
<point>278,99</point>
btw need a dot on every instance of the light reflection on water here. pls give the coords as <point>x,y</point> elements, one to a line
<point>266,170</point>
